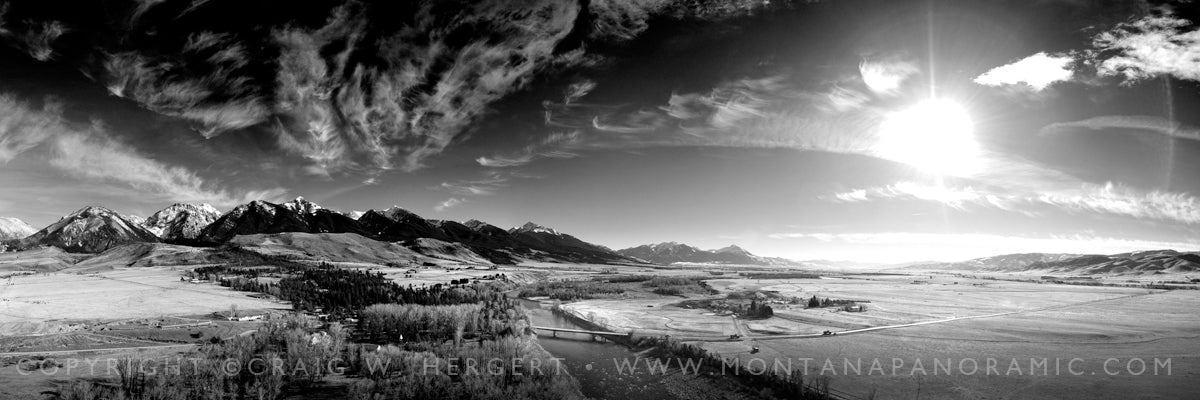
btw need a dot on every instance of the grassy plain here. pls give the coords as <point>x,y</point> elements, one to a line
<point>960,320</point>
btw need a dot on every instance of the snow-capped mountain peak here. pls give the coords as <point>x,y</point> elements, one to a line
<point>301,206</point>
<point>181,221</point>
<point>531,227</point>
<point>355,215</point>
<point>395,213</point>
<point>12,228</point>
<point>91,229</point>
<point>733,248</point>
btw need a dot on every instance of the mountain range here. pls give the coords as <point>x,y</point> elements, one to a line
<point>298,227</point>
<point>1133,263</point>
<point>97,229</point>
<point>672,252</point>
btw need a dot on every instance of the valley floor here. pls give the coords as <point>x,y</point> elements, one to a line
<point>928,318</point>
<point>949,320</point>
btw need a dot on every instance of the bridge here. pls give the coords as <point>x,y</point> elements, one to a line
<point>555,331</point>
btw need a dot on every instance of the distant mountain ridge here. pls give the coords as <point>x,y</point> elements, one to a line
<point>1133,263</point>
<point>672,252</point>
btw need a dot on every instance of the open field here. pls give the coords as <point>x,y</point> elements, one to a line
<point>48,303</point>
<point>955,319</point>
<point>1126,330</point>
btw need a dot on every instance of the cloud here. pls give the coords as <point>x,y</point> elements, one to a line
<point>39,39</point>
<point>489,183</point>
<point>641,121</point>
<point>1038,71</point>
<point>762,112</point>
<point>1155,124</point>
<point>486,186</point>
<point>1160,44</point>
<point>448,204</point>
<point>357,93</point>
<point>885,75</point>
<point>557,145</point>
<point>1119,200</point>
<point>1109,198</point>
<point>577,90</point>
<point>208,82</point>
<point>96,157</point>
<point>852,196</point>
<point>620,20</point>
<point>956,197</point>
<point>426,91</point>
<point>35,38</point>
<point>91,154</point>
<point>1153,46</point>
<point>913,246</point>
<point>22,128</point>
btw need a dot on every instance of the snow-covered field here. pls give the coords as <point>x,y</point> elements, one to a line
<point>27,303</point>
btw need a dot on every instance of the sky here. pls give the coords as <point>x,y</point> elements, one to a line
<point>880,131</point>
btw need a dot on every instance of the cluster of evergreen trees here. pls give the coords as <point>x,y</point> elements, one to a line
<point>341,292</point>
<point>759,310</point>
<point>816,302</point>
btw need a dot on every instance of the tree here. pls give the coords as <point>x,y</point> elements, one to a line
<point>813,302</point>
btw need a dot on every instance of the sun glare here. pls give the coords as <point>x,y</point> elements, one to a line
<point>935,136</point>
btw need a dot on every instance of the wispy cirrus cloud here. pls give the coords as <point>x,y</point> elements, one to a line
<point>97,157</point>
<point>557,145</point>
<point>428,90</point>
<point>355,93</point>
<point>35,38</point>
<point>1147,123</point>
<point>449,203</point>
<point>23,127</point>
<point>490,182</point>
<point>1107,199</point>
<point>486,186</point>
<point>207,82</point>
<point>923,246</point>
<point>91,154</point>
<point>577,90</point>
<point>763,112</point>
<point>955,197</point>
<point>39,39</point>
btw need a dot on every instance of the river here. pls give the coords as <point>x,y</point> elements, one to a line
<point>594,363</point>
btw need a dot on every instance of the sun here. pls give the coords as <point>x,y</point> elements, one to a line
<point>935,136</point>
